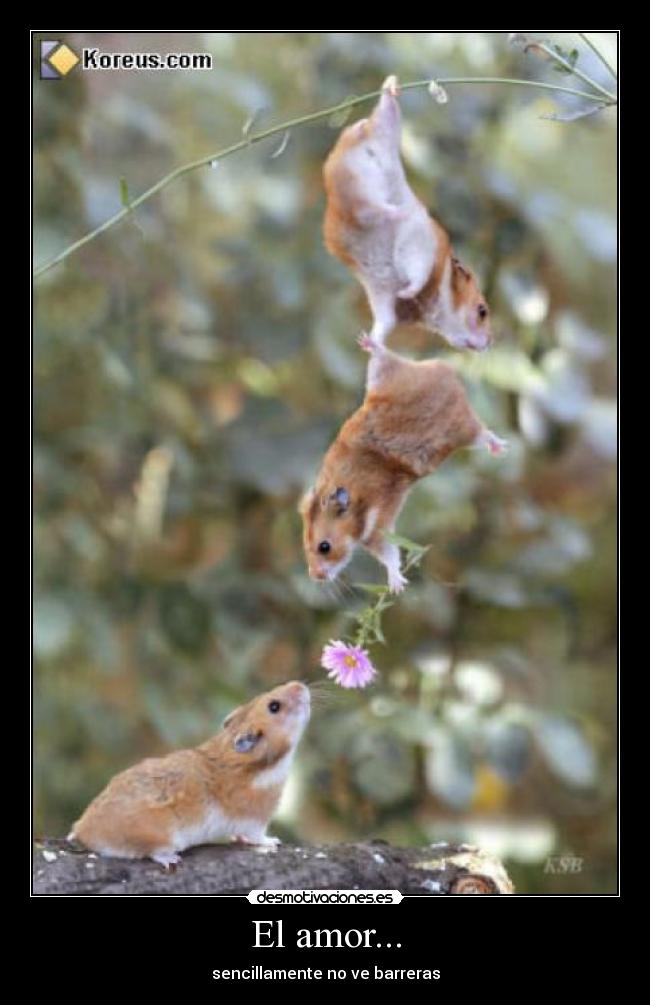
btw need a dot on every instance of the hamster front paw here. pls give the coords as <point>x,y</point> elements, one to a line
<point>396,581</point>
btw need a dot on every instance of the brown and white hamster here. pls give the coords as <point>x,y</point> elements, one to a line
<point>413,416</point>
<point>228,787</point>
<point>401,256</point>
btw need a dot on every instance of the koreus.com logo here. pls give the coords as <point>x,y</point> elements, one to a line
<point>57,60</point>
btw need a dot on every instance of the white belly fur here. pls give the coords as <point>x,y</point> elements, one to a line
<point>276,775</point>
<point>212,827</point>
<point>215,826</point>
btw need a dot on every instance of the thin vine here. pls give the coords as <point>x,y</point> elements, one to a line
<point>602,97</point>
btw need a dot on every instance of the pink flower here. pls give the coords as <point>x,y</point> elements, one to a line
<point>348,665</point>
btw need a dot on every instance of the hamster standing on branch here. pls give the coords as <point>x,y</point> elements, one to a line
<point>401,256</point>
<point>228,787</point>
<point>414,415</point>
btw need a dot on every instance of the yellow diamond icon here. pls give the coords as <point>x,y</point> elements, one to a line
<point>63,60</point>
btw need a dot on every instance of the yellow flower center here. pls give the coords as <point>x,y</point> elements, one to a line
<point>350,660</point>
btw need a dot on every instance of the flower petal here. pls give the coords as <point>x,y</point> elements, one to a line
<point>349,666</point>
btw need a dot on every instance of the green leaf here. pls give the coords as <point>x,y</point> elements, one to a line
<point>282,147</point>
<point>373,588</point>
<point>413,560</point>
<point>379,635</point>
<point>403,542</point>
<point>250,122</point>
<point>124,193</point>
<point>339,118</point>
<point>569,57</point>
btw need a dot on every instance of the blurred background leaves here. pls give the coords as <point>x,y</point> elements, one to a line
<point>191,366</point>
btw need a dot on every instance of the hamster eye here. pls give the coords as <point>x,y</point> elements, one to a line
<point>482,311</point>
<point>274,706</point>
<point>324,547</point>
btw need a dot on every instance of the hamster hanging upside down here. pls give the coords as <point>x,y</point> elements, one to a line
<point>401,256</point>
<point>414,415</point>
<point>228,787</point>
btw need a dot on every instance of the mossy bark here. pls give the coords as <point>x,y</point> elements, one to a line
<point>62,869</point>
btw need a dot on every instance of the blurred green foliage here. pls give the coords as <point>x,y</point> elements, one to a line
<point>191,366</point>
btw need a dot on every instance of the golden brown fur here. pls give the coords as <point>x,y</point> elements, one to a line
<point>142,808</point>
<point>414,415</point>
<point>376,225</point>
<point>343,199</point>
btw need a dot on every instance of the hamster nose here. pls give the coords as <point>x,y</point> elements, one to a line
<point>478,342</point>
<point>298,692</point>
<point>318,573</point>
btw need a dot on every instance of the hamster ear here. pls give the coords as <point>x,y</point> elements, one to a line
<point>305,503</point>
<point>246,741</point>
<point>370,518</point>
<point>460,275</point>
<point>357,130</point>
<point>340,500</point>
<point>230,718</point>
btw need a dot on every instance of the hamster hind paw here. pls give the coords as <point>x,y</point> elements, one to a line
<point>494,444</point>
<point>409,292</point>
<point>391,85</point>
<point>263,839</point>
<point>269,842</point>
<point>367,343</point>
<point>167,859</point>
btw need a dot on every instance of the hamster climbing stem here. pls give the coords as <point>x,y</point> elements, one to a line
<point>414,415</point>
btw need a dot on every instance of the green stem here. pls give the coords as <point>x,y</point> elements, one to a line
<point>363,636</point>
<point>507,80</point>
<point>574,70</point>
<point>301,120</point>
<point>594,48</point>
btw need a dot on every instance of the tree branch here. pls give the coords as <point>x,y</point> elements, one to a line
<point>61,869</point>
